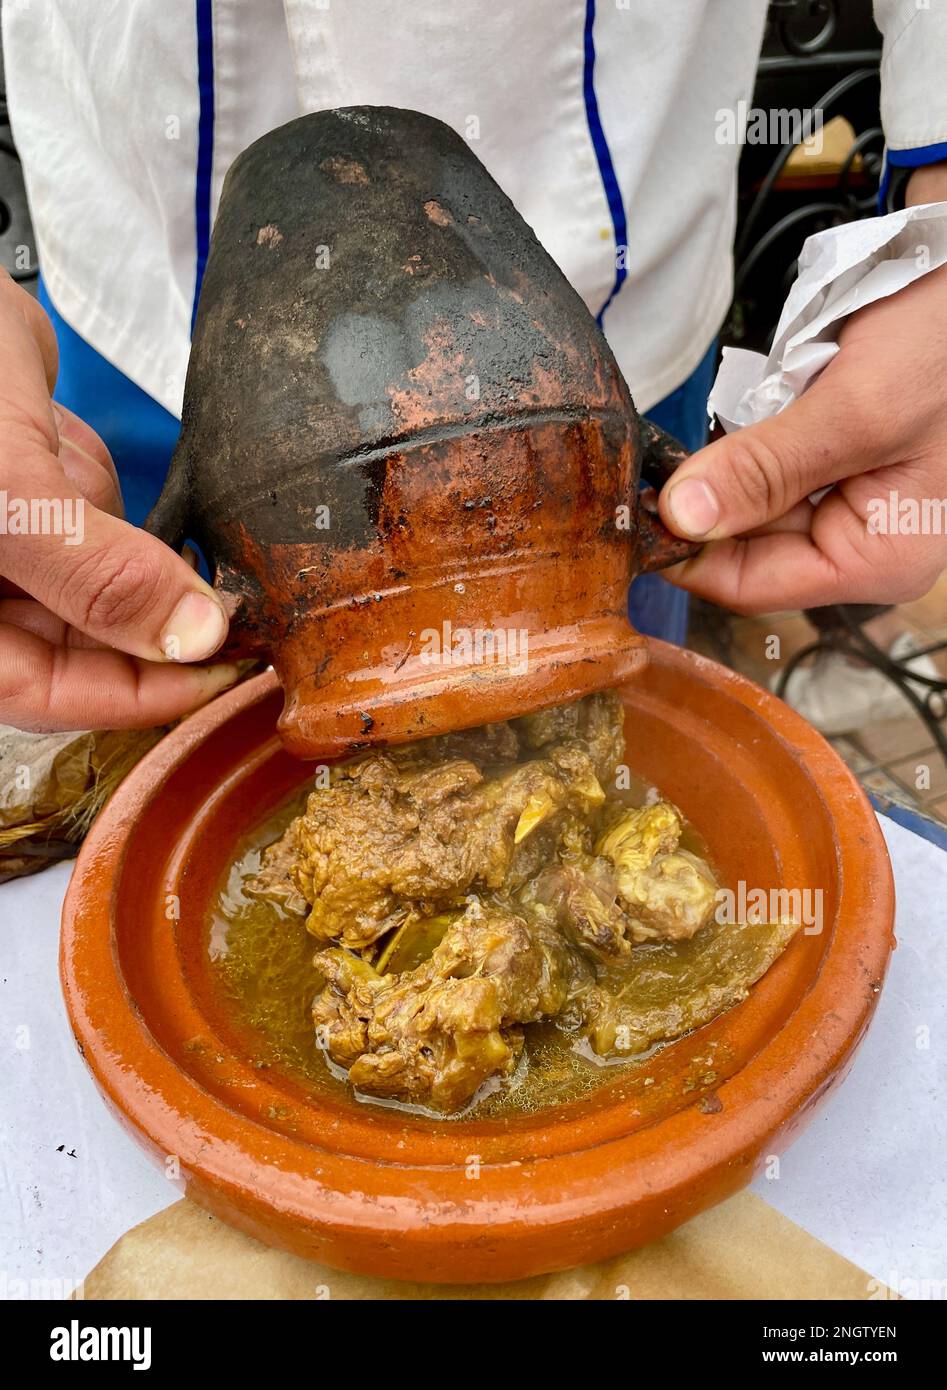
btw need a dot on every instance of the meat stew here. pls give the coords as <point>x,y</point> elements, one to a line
<point>483,904</point>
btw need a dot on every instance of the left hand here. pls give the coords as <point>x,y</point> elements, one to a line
<point>873,423</point>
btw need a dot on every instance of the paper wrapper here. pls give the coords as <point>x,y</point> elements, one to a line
<point>841,270</point>
<point>52,785</point>
<point>740,1250</point>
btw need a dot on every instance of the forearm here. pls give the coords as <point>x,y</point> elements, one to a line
<point>928,184</point>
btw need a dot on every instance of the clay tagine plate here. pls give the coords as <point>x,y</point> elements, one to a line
<point>386,1192</point>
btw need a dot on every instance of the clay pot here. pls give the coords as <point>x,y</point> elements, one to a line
<point>376,1190</point>
<point>403,432</point>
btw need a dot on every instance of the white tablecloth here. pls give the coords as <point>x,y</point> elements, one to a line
<point>869,1176</point>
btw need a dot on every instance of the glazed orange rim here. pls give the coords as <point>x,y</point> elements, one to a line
<point>265,1170</point>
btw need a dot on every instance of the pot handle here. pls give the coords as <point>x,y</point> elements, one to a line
<point>169,521</point>
<point>657,546</point>
<point>168,517</point>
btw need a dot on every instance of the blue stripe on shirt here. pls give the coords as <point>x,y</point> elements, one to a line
<point>605,166</point>
<point>205,141</point>
<point>913,159</point>
<point>907,159</point>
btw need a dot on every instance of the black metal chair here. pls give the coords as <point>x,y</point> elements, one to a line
<point>16,232</point>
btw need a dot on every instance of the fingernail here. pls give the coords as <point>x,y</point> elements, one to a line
<point>218,678</point>
<point>693,506</point>
<point>195,629</point>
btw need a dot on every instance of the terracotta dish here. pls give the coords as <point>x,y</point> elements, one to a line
<point>389,1193</point>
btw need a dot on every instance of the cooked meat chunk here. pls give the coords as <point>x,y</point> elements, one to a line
<point>668,893</point>
<point>488,745</point>
<point>638,835</point>
<point>671,899</point>
<point>436,1033</point>
<point>383,837</point>
<point>596,724</point>
<point>582,899</point>
<point>638,886</point>
<point>547,726</point>
<point>389,834</point>
<point>276,878</point>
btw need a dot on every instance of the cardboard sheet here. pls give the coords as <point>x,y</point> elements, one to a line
<point>742,1249</point>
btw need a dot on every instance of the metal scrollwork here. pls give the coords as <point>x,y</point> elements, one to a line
<point>805,26</point>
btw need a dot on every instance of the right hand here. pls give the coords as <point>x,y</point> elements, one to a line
<point>94,628</point>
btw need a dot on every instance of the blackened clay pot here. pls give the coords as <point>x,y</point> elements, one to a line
<point>407,450</point>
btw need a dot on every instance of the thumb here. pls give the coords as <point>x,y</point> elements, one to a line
<point>120,586</point>
<point>759,473</point>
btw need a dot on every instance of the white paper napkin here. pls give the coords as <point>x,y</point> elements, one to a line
<point>840,270</point>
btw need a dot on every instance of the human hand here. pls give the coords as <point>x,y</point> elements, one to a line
<point>95,615</point>
<point>874,424</point>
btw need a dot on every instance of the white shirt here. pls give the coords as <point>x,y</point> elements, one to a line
<point>109,121</point>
